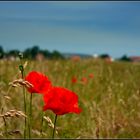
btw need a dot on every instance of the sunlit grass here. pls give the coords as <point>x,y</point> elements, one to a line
<point>110,100</point>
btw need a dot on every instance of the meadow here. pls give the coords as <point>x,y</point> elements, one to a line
<point>110,99</point>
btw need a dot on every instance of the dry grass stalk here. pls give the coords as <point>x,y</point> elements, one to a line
<point>36,132</point>
<point>50,123</point>
<point>97,132</point>
<point>78,137</point>
<point>25,64</point>
<point>1,134</point>
<point>20,82</point>
<point>7,97</point>
<point>14,132</point>
<point>13,113</point>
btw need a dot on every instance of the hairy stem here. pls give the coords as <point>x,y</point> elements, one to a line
<point>41,130</point>
<point>5,124</point>
<point>54,126</point>
<point>21,68</point>
<point>30,123</point>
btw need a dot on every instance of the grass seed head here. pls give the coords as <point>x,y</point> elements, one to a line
<point>13,113</point>
<point>20,82</point>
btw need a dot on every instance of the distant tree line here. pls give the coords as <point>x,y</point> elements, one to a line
<point>123,58</point>
<point>31,53</point>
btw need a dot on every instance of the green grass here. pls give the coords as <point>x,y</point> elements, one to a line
<point>110,101</point>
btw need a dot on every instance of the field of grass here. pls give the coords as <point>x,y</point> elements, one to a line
<point>110,101</point>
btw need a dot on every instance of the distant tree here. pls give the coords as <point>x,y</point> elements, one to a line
<point>30,53</point>
<point>13,53</point>
<point>27,53</point>
<point>57,55</point>
<point>34,51</point>
<point>1,52</point>
<point>104,56</point>
<point>125,58</point>
<point>46,53</point>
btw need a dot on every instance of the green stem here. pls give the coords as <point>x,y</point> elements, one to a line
<point>30,123</point>
<point>24,94</point>
<point>54,126</point>
<point>25,112</point>
<point>42,115</point>
<point>5,124</point>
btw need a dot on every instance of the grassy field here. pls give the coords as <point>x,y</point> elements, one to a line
<point>110,100</point>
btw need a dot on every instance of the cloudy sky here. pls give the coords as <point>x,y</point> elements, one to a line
<point>90,27</point>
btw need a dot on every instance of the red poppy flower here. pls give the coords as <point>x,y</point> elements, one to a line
<point>61,101</point>
<point>41,83</point>
<point>75,58</point>
<point>84,80</point>
<point>74,79</point>
<point>91,75</point>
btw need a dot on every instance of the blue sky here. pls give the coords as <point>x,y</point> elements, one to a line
<point>91,27</point>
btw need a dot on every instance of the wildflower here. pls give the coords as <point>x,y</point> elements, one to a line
<point>84,80</point>
<point>41,83</point>
<point>74,79</point>
<point>91,75</point>
<point>75,58</point>
<point>108,60</point>
<point>61,101</point>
